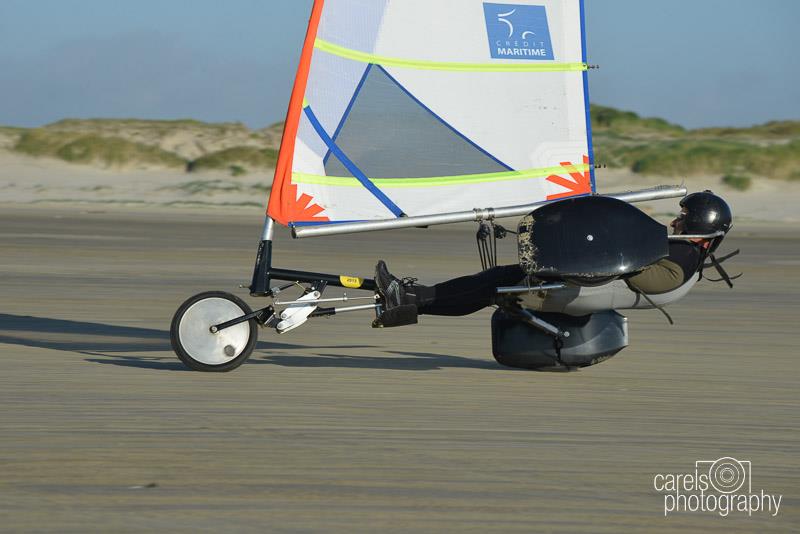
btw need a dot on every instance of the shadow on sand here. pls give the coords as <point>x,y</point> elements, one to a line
<point>406,361</point>
<point>122,346</point>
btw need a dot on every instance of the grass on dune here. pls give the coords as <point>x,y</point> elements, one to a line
<point>156,126</point>
<point>738,182</point>
<point>12,130</point>
<point>769,130</point>
<point>687,157</point>
<point>211,187</point>
<point>617,122</point>
<point>237,160</point>
<point>656,147</point>
<point>622,139</point>
<point>79,148</point>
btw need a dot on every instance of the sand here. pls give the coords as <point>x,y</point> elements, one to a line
<point>336,427</point>
<point>25,180</point>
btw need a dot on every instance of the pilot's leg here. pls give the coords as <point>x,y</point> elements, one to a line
<point>467,294</point>
<point>403,300</point>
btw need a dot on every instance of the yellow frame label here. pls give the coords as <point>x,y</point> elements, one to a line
<point>353,282</point>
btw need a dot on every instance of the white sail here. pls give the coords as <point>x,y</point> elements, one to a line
<point>417,107</point>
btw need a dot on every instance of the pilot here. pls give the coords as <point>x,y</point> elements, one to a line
<point>403,299</point>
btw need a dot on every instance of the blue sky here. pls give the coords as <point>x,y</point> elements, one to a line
<point>694,62</point>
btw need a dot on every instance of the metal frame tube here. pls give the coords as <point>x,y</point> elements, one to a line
<point>657,193</point>
<point>682,237</point>
<point>328,312</point>
<point>356,308</point>
<point>320,301</point>
<point>269,229</point>
<point>334,280</point>
<point>543,325</point>
<point>238,320</point>
<point>527,289</point>
<point>259,286</point>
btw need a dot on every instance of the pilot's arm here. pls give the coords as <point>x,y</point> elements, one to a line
<point>661,277</point>
<point>671,272</point>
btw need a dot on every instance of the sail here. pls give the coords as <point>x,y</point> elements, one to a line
<point>419,107</point>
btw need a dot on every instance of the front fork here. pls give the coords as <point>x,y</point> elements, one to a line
<point>307,306</point>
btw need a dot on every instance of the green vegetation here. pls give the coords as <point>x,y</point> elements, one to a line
<point>237,160</point>
<point>210,187</point>
<point>237,170</point>
<point>163,127</point>
<point>622,139</point>
<point>770,130</point>
<point>686,157</point>
<point>655,147</point>
<point>132,142</point>
<point>616,122</point>
<point>77,148</point>
<point>11,130</point>
<point>741,183</point>
<point>96,188</point>
<point>197,203</point>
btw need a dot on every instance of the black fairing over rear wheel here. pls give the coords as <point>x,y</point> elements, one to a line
<point>202,350</point>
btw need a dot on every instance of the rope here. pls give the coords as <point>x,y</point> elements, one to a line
<point>486,238</point>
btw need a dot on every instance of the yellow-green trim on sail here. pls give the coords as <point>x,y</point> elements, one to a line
<point>434,181</point>
<point>386,61</point>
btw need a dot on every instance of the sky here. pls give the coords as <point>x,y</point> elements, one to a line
<point>697,63</point>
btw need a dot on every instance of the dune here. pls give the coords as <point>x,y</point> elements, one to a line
<point>47,181</point>
<point>25,180</point>
<point>180,163</point>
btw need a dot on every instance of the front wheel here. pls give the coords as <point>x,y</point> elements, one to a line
<point>202,350</point>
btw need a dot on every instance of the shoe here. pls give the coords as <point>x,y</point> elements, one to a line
<point>392,290</point>
<point>399,305</point>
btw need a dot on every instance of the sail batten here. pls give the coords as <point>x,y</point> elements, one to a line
<point>433,181</point>
<point>431,106</point>
<point>385,61</point>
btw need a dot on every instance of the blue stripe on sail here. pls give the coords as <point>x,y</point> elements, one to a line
<point>350,166</point>
<point>348,110</point>
<point>586,97</point>
<point>444,122</point>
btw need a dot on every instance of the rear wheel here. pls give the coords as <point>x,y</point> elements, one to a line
<point>202,350</point>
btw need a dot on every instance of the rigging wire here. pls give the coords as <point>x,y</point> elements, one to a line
<point>487,235</point>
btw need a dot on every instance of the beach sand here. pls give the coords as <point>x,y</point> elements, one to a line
<point>25,180</point>
<point>337,427</point>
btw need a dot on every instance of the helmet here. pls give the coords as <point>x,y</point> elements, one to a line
<point>706,213</point>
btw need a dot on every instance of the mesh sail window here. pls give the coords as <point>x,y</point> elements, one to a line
<point>423,107</point>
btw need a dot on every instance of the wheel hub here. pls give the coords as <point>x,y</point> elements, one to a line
<point>205,346</point>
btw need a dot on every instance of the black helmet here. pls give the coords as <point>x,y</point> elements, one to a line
<point>706,213</point>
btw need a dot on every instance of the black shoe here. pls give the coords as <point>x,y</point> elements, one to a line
<point>399,305</point>
<point>392,290</point>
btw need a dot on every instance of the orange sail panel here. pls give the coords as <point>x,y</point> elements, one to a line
<point>284,205</point>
